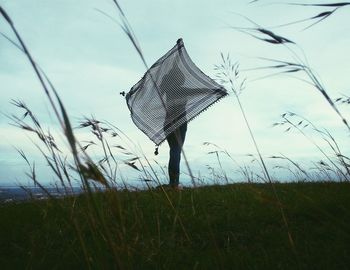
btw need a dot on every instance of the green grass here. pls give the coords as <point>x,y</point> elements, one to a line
<point>219,227</point>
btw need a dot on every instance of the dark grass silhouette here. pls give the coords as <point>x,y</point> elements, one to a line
<point>301,65</point>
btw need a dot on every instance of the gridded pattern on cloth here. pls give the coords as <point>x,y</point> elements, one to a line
<point>172,92</point>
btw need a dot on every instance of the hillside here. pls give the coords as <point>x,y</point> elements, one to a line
<point>237,226</point>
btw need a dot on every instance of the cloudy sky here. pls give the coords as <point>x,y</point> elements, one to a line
<point>90,60</point>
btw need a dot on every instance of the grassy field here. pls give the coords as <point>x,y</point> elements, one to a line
<point>236,226</point>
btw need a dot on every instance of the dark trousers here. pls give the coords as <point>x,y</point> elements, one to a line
<point>176,140</point>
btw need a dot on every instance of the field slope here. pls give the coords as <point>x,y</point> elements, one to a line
<point>237,226</point>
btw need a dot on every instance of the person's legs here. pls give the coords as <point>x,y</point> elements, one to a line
<point>175,141</point>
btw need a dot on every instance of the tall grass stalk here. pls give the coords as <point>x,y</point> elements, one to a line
<point>286,67</point>
<point>300,124</point>
<point>319,17</point>
<point>228,74</point>
<point>125,25</point>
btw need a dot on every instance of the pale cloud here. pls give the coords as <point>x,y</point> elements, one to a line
<point>90,60</point>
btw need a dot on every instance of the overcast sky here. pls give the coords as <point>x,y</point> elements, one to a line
<point>90,60</point>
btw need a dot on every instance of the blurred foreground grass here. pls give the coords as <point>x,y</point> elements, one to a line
<point>235,226</point>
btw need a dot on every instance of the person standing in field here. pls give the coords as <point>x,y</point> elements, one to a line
<point>176,98</point>
<point>172,92</point>
<point>175,107</point>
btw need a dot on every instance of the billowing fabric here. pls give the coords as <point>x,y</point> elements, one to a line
<point>172,92</point>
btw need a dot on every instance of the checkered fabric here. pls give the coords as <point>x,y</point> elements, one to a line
<point>172,92</point>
